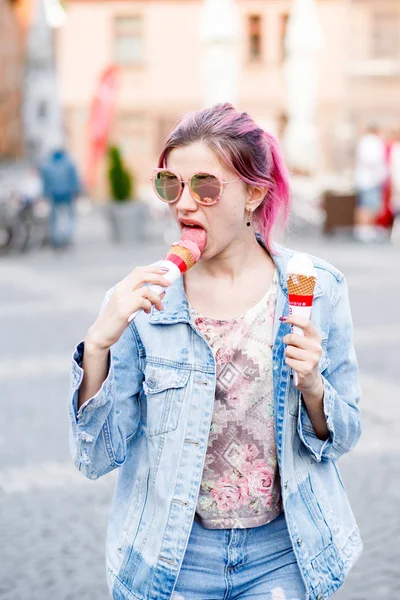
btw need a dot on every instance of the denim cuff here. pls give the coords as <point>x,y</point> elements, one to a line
<point>104,395</point>
<point>319,449</point>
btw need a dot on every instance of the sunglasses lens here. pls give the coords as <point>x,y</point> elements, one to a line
<point>167,186</point>
<point>205,188</point>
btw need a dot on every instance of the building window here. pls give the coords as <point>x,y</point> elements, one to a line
<point>283,26</point>
<point>128,40</point>
<point>255,37</point>
<point>386,35</point>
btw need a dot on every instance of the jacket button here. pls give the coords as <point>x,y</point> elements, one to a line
<point>151,382</point>
<point>320,597</point>
<point>299,542</point>
<point>275,367</point>
<point>285,485</point>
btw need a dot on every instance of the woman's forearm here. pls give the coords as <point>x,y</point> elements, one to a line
<point>314,403</point>
<point>95,366</point>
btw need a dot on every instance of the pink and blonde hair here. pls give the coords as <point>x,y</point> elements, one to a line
<point>253,154</point>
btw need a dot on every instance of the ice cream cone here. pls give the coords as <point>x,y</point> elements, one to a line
<point>183,254</point>
<point>301,285</point>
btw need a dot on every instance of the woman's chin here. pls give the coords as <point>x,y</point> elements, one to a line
<point>207,253</point>
<point>204,256</point>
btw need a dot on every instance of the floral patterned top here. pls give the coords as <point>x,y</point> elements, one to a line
<point>240,485</point>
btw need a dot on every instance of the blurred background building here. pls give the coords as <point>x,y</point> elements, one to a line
<point>161,50</point>
<point>158,46</point>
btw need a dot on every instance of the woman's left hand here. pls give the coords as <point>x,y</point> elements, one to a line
<point>303,354</point>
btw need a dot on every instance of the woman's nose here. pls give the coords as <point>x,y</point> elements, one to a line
<point>186,201</point>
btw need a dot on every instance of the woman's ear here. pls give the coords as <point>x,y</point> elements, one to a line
<point>255,197</point>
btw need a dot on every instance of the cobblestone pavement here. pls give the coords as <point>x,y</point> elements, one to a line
<point>53,520</point>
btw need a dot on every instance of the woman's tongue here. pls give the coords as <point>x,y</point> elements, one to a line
<point>196,235</point>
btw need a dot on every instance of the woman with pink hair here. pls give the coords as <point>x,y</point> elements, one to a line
<point>228,485</point>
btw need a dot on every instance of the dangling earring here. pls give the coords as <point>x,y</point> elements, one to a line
<point>249,218</point>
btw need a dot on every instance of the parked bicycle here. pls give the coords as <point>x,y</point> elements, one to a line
<point>24,213</point>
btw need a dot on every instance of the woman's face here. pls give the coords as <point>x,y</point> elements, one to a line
<point>224,222</point>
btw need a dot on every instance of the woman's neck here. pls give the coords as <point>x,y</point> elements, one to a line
<point>234,261</point>
<point>231,283</point>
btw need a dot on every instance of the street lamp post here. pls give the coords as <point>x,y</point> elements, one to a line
<point>220,61</point>
<point>303,43</point>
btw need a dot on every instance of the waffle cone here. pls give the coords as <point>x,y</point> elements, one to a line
<point>301,285</point>
<point>184,254</point>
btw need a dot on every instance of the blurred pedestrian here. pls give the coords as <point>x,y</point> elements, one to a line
<point>370,176</point>
<point>395,171</point>
<point>384,220</point>
<point>228,484</point>
<point>395,181</point>
<point>61,185</point>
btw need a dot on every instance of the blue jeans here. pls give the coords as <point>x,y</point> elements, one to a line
<point>370,199</point>
<point>62,220</point>
<point>240,564</point>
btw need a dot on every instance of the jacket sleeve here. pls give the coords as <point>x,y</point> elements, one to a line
<point>341,389</point>
<point>100,429</point>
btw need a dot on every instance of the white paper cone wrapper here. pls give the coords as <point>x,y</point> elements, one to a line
<point>305,313</point>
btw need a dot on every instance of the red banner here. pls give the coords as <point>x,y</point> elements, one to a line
<point>100,120</point>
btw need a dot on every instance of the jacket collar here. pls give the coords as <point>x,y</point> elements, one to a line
<point>176,307</point>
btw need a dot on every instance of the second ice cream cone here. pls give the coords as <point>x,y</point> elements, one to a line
<point>301,285</point>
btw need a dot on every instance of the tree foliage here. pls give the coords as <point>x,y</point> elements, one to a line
<point>120,178</point>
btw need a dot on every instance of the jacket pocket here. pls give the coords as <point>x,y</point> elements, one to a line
<point>165,388</point>
<point>328,565</point>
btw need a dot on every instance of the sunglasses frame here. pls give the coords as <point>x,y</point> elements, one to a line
<point>218,176</point>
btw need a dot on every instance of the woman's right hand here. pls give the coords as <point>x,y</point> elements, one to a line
<point>130,294</point>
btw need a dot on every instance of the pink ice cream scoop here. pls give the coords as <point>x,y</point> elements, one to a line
<point>193,239</point>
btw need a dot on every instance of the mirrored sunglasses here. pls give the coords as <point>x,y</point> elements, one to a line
<point>205,188</point>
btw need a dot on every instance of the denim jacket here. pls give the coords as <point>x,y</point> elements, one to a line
<point>151,419</point>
